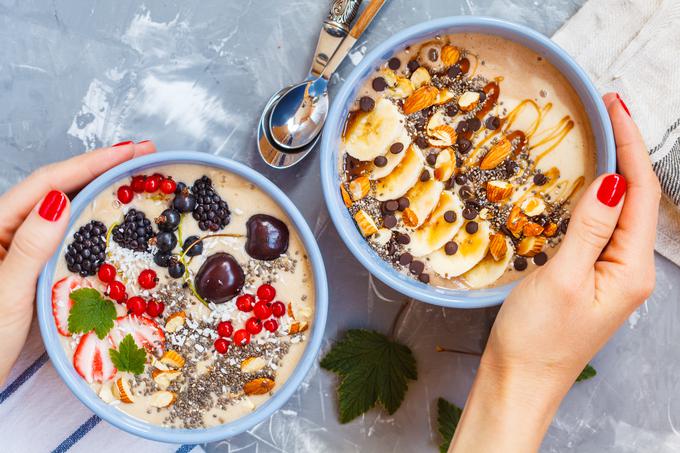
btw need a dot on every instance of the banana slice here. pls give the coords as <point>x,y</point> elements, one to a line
<point>471,250</point>
<point>423,198</point>
<point>488,270</point>
<point>392,159</point>
<point>404,176</point>
<point>372,133</point>
<point>437,231</point>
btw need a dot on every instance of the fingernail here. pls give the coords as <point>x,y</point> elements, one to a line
<point>52,206</point>
<point>129,142</point>
<point>143,141</point>
<point>611,190</point>
<point>623,104</point>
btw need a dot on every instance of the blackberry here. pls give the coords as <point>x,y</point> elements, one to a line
<point>135,231</point>
<point>211,212</point>
<point>87,252</point>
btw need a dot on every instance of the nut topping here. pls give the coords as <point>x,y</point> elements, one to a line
<point>258,386</point>
<point>468,101</point>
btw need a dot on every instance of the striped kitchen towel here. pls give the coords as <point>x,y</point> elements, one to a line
<point>39,414</point>
<point>631,47</point>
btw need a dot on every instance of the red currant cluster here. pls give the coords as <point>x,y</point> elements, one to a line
<point>149,184</point>
<point>137,305</point>
<point>264,311</point>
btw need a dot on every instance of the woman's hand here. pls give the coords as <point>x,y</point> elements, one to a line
<point>34,216</point>
<point>559,316</point>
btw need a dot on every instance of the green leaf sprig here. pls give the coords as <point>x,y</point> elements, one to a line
<point>587,373</point>
<point>128,357</point>
<point>448,416</point>
<point>91,311</point>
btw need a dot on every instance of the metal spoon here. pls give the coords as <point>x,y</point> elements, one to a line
<point>297,118</point>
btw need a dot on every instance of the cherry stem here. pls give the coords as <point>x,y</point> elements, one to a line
<point>457,351</point>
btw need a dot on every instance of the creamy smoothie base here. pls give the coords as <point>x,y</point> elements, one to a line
<point>461,158</point>
<point>198,371</point>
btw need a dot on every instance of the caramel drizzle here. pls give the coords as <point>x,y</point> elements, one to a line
<point>554,137</point>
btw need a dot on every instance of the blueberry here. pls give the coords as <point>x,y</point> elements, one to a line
<point>184,202</point>
<point>176,269</point>
<point>162,259</point>
<point>166,241</point>
<point>196,250</point>
<point>169,220</point>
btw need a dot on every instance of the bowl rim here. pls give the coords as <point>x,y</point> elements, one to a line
<point>452,298</point>
<point>136,426</point>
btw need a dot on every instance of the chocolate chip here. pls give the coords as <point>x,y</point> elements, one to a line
<point>540,259</point>
<point>511,167</point>
<point>394,63</point>
<point>403,238</point>
<point>564,225</point>
<point>413,65</point>
<point>405,259</point>
<point>462,127</point>
<point>391,205</point>
<point>432,54</point>
<point>448,185</point>
<point>466,193</point>
<point>520,263</point>
<point>416,267</point>
<point>425,176</point>
<point>389,221</point>
<point>454,71</point>
<point>380,161</point>
<point>379,84</point>
<point>493,123</point>
<point>422,143</point>
<point>540,179</point>
<point>419,123</point>
<point>471,227</point>
<point>464,145</point>
<point>506,231</point>
<point>452,110</point>
<point>469,213</point>
<point>366,104</point>
<point>540,219</point>
<point>474,124</point>
<point>461,179</point>
<point>450,216</point>
<point>482,96</point>
<point>403,203</point>
<point>450,248</point>
<point>431,158</point>
<point>425,278</point>
<point>396,148</point>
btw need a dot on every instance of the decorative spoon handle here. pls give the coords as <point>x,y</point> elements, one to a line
<point>333,31</point>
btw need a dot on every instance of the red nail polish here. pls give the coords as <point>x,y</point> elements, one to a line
<point>611,190</point>
<point>129,142</point>
<point>143,141</point>
<point>623,104</point>
<point>52,206</point>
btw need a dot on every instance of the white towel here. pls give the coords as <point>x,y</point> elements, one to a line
<point>632,47</point>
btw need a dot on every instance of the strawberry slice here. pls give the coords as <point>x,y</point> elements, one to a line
<point>145,331</point>
<point>62,303</point>
<point>92,360</point>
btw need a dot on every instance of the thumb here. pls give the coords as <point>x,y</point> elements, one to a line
<point>592,224</point>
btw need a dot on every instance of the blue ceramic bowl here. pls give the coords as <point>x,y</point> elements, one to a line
<point>141,428</point>
<point>330,178</point>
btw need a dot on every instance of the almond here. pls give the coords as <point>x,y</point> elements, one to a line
<point>403,88</point>
<point>106,392</point>
<point>442,136</point>
<point>532,229</point>
<point>420,77</point>
<point>450,55</point>
<point>409,217</point>
<point>439,118</point>
<point>468,100</point>
<point>175,321</point>
<point>365,223</point>
<point>550,230</point>
<point>498,190</point>
<point>389,76</point>
<point>345,196</point>
<point>121,390</point>
<point>445,165</point>
<point>290,310</point>
<point>258,386</point>
<point>498,247</point>
<point>531,246</point>
<point>297,327</point>
<point>162,398</point>
<point>173,359</point>
<point>422,98</point>
<point>359,188</point>
<point>516,221</point>
<point>533,206</point>
<point>158,365</point>
<point>164,378</point>
<point>497,154</point>
<point>444,96</point>
<point>253,364</point>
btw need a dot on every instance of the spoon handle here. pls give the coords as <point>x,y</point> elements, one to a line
<point>333,31</point>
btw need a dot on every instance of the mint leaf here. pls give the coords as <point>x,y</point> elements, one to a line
<point>128,357</point>
<point>373,369</point>
<point>448,416</point>
<point>587,373</point>
<point>91,311</point>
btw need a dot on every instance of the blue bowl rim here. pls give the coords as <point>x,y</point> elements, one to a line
<point>417,290</point>
<point>139,427</point>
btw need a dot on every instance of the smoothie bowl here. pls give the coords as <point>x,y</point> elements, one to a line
<point>188,300</point>
<point>454,153</point>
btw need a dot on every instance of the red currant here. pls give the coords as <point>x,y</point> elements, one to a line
<point>125,194</point>
<point>271,325</point>
<point>106,273</point>
<point>168,186</point>
<point>117,291</point>
<point>136,305</point>
<point>241,337</point>
<point>152,183</point>
<point>147,279</point>
<point>278,309</point>
<point>138,183</point>
<point>225,329</point>
<point>221,345</point>
<point>154,308</point>
<point>262,310</point>
<point>245,302</point>
<point>254,326</point>
<point>266,293</point>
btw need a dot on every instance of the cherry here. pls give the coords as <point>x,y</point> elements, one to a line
<point>152,183</point>
<point>147,279</point>
<point>266,293</point>
<point>117,291</point>
<point>225,329</point>
<point>278,309</point>
<point>262,310</point>
<point>136,305</point>
<point>154,308</point>
<point>138,183</point>
<point>241,337</point>
<point>245,302</point>
<point>253,326</point>
<point>168,186</point>
<point>106,273</point>
<point>221,345</point>
<point>271,325</point>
